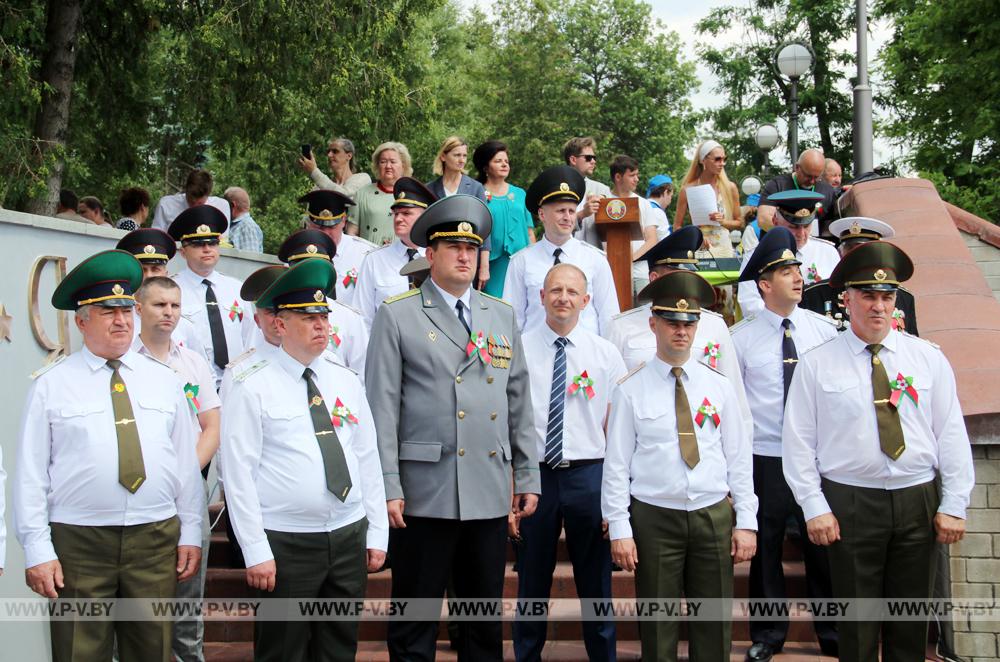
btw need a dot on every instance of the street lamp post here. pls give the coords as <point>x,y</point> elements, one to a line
<point>767,139</point>
<point>863,160</point>
<point>793,60</point>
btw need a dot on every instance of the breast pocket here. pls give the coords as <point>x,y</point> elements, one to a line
<point>278,422</point>
<point>844,397</point>
<point>763,369</point>
<point>72,422</point>
<point>386,288</point>
<point>654,421</point>
<point>155,414</point>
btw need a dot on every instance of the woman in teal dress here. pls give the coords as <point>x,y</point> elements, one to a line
<point>512,223</point>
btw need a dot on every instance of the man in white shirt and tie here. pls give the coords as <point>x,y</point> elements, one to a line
<point>573,374</point>
<point>379,276</point>
<point>553,196</point>
<point>677,450</point>
<point>768,346</point>
<point>303,479</point>
<point>210,299</point>
<point>107,497</point>
<point>875,450</point>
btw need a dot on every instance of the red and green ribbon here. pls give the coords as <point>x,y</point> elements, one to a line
<point>335,336</point>
<point>191,393</point>
<point>900,386</point>
<point>707,411</point>
<point>713,354</point>
<point>584,384</point>
<point>477,345</point>
<point>351,278</point>
<point>813,274</point>
<point>341,413</point>
<point>898,320</point>
<point>235,311</point>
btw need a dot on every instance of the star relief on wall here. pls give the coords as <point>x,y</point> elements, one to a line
<point>5,324</point>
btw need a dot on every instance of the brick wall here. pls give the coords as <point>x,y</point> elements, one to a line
<point>987,257</point>
<point>975,562</point>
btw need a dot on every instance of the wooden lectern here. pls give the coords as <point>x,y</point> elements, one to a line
<point>617,221</point>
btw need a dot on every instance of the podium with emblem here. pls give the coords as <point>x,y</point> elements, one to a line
<point>617,221</point>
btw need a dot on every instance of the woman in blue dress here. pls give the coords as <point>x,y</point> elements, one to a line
<point>512,223</point>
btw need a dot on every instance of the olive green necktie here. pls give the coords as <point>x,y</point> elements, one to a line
<point>338,477</point>
<point>685,426</point>
<point>131,470</point>
<point>890,430</point>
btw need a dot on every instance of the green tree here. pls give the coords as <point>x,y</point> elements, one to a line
<point>942,82</point>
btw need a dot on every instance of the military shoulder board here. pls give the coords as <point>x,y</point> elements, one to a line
<point>825,318</point>
<point>45,368</point>
<point>256,367</point>
<point>490,296</point>
<point>404,295</point>
<point>241,357</point>
<point>929,342</point>
<point>743,322</point>
<point>632,372</point>
<point>330,358</point>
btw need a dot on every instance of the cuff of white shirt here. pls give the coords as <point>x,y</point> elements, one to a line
<point>257,553</point>
<point>952,505</point>
<point>815,506</point>
<point>38,553</point>
<point>190,534</point>
<point>377,538</point>
<point>746,519</point>
<point>620,529</point>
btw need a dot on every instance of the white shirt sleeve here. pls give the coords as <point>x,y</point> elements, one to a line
<point>605,298</point>
<point>798,443</point>
<point>31,483</point>
<point>954,451</point>
<point>747,294</point>
<point>241,448</point>
<point>364,295</point>
<point>365,447</point>
<point>190,499</point>
<point>615,492</point>
<point>736,446</point>
<point>513,289</point>
<point>3,509</point>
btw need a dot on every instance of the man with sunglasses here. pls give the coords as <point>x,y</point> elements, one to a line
<point>581,154</point>
<point>804,177</point>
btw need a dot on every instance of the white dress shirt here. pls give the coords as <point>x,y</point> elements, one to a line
<point>192,369</point>
<point>586,231</point>
<point>3,510</point>
<point>630,333</point>
<point>526,275</point>
<point>275,477</point>
<point>583,419</point>
<point>819,258</point>
<point>351,252</point>
<point>758,342</point>
<point>237,314</point>
<point>67,467</point>
<point>451,300</point>
<point>830,428</point>
<point>170,206</point>
<point>644,458</point>
<point>379,278</point>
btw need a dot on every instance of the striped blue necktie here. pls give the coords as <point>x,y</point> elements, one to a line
<point>557,403</point>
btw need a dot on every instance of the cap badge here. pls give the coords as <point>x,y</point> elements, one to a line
<point>802,213</point>
<point>326,214</point>
<point>564,187</point>
<point>787,255</point>
<point>118,290</point>
<point>401,195</point>
<point>311,249</point>
<point>682,304</point>
<point>319,297</point>
<point>690,255</point>
<point>149,249</point>
<point>204,229</point>
<point>881,275</point>
<point>855,228</point>
<point>464,227</point>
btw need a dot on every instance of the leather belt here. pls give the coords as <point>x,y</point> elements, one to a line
<point>569,464</point>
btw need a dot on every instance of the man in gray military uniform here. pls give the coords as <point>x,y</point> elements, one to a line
<point>448,379</point>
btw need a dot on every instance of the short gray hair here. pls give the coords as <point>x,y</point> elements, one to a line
<point>83,312</point>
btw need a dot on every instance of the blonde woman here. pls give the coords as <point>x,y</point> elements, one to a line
<point>371,217</point>
<point>709,167</point>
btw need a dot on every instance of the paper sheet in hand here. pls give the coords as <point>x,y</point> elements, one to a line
<point>702,202</point>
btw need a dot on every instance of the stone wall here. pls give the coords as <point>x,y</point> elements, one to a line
<point>987,257</point>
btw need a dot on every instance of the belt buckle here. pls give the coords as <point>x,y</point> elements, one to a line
<point>563,465</point>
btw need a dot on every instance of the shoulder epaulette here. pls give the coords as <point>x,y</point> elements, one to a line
<point>825,241</point>
<point>45,368</point>
<point>589,245</point>
<point>490,296</point>
<point>628,312</point>
<point>256,367</point>
<point>378,248</point>
<point>154,359</point>
<point>821,344</point>
<point>241,357</point>
<point>705,311</point>
<point>929,342</point>
<point>743,322</point>
<point>405,295</point>
<point>330,358</point>
<point>825,281</point>
<point>350,308</point>
<point>367,243</point>
<point>815,315</point>
<point>715,370</point>
<point>632,372</point>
